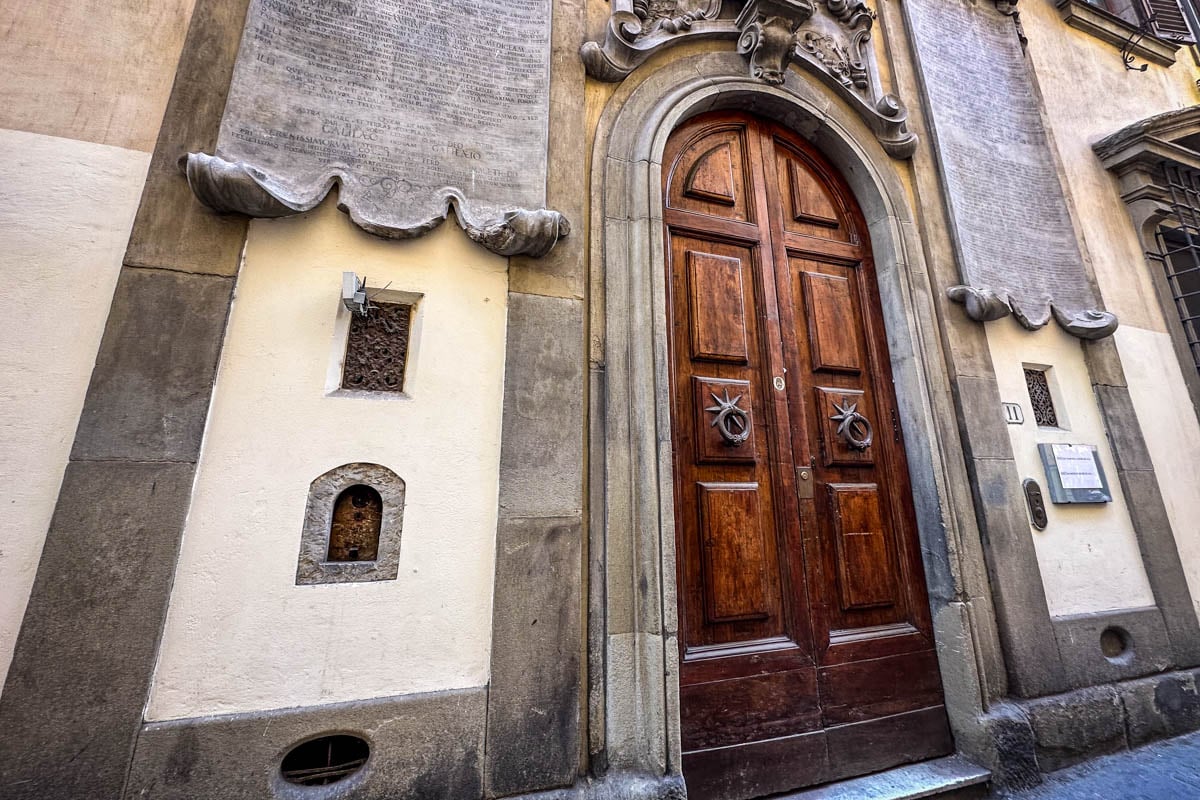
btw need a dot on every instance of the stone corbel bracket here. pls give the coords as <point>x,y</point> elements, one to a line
<point>828,38</point>
<point>229,187</point>
<point>985,305</point>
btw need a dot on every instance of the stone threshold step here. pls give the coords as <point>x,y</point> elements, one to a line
<point>943,778</point>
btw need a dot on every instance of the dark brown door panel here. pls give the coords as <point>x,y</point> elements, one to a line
<point>805,636</point>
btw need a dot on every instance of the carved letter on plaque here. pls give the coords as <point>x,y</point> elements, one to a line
<point>411,106</point>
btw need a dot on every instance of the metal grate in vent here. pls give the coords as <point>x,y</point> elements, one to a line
<point>326,760</point>
<point>378,348</point>
<point>1039,397</point>
<point>1178,240</point>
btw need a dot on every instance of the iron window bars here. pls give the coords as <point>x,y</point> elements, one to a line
<point>1178,243</point>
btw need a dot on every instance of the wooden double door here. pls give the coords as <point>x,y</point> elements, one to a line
<point>805,637</point>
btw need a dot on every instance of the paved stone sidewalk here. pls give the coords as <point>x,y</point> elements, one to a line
<point>1168,770</point>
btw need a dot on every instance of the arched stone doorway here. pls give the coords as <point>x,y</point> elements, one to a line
<point>633,708</point>
<point>805,640</point>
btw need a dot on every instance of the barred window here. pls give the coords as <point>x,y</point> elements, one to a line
<point>1178,251</point>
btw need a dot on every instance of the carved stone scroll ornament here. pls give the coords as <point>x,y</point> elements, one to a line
<point>768,35</point>
<point>985,305</point>
<point>637,28</point>
<point>851,12</point>
<point>828,38</point>
<point>238,188</point>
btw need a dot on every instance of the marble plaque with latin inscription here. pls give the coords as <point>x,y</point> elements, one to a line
<point>411,106</point>
<point>1014,237</point>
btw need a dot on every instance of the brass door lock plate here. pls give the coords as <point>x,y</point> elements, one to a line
<point>804,483</point>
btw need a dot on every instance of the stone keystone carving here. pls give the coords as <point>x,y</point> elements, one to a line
<point>827,38</point>
<point>768,35</point>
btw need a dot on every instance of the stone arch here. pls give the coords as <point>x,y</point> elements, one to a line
<point>633,677</point>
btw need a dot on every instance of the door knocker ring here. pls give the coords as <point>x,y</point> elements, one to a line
<point>732,422</point>
<point>853,428</point>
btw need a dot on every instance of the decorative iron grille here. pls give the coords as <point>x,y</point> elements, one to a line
<point>378,348</point>
<point>1178,242</point>
<point>1039,397</point>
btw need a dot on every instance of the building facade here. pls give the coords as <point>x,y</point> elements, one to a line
<point>830,411</point>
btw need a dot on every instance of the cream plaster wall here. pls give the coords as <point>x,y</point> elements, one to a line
<point>240,635</point>
<point>1088,554</point>
<point>1089,94</point>
<point>65,215</point>
<point>1172,436</point>
<point>97,70</point>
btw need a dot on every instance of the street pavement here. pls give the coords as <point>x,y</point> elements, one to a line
<point>1166,770</point>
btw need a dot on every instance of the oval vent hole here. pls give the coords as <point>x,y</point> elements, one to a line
<point>326,760</point>
<point>1114,644</point>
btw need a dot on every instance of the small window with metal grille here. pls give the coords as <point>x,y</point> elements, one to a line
<point>1039,397</point>
<point>1178,241</point>
<point>377,348</point>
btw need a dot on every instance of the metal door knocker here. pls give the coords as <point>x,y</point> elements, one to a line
<point>853,428</point>
<point>731,422</point>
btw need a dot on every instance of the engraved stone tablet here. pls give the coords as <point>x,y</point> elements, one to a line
<point>1016,244</point>
<point>410,105</point>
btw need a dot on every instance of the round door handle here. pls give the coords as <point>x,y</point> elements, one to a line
<point>853,428</point>
<point>732,421</point>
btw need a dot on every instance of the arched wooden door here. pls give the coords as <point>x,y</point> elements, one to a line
<point>805,637</point>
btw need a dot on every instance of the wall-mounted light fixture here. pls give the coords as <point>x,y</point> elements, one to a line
<point>354,294</point>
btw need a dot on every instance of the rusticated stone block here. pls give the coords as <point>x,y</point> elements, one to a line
<point>153,379</point>
<point>1072,727</point>
<point>172,229</point>
<point>72,705</point>
<point>1160,706</point>
<point>533,706</point>
<point>422,746</point>
<point>541,458</point>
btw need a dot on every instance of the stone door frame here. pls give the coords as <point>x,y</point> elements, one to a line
<point>633,700</point>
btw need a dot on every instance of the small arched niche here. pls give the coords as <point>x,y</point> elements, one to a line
<point>357,523</point>
<point>352,526</point>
